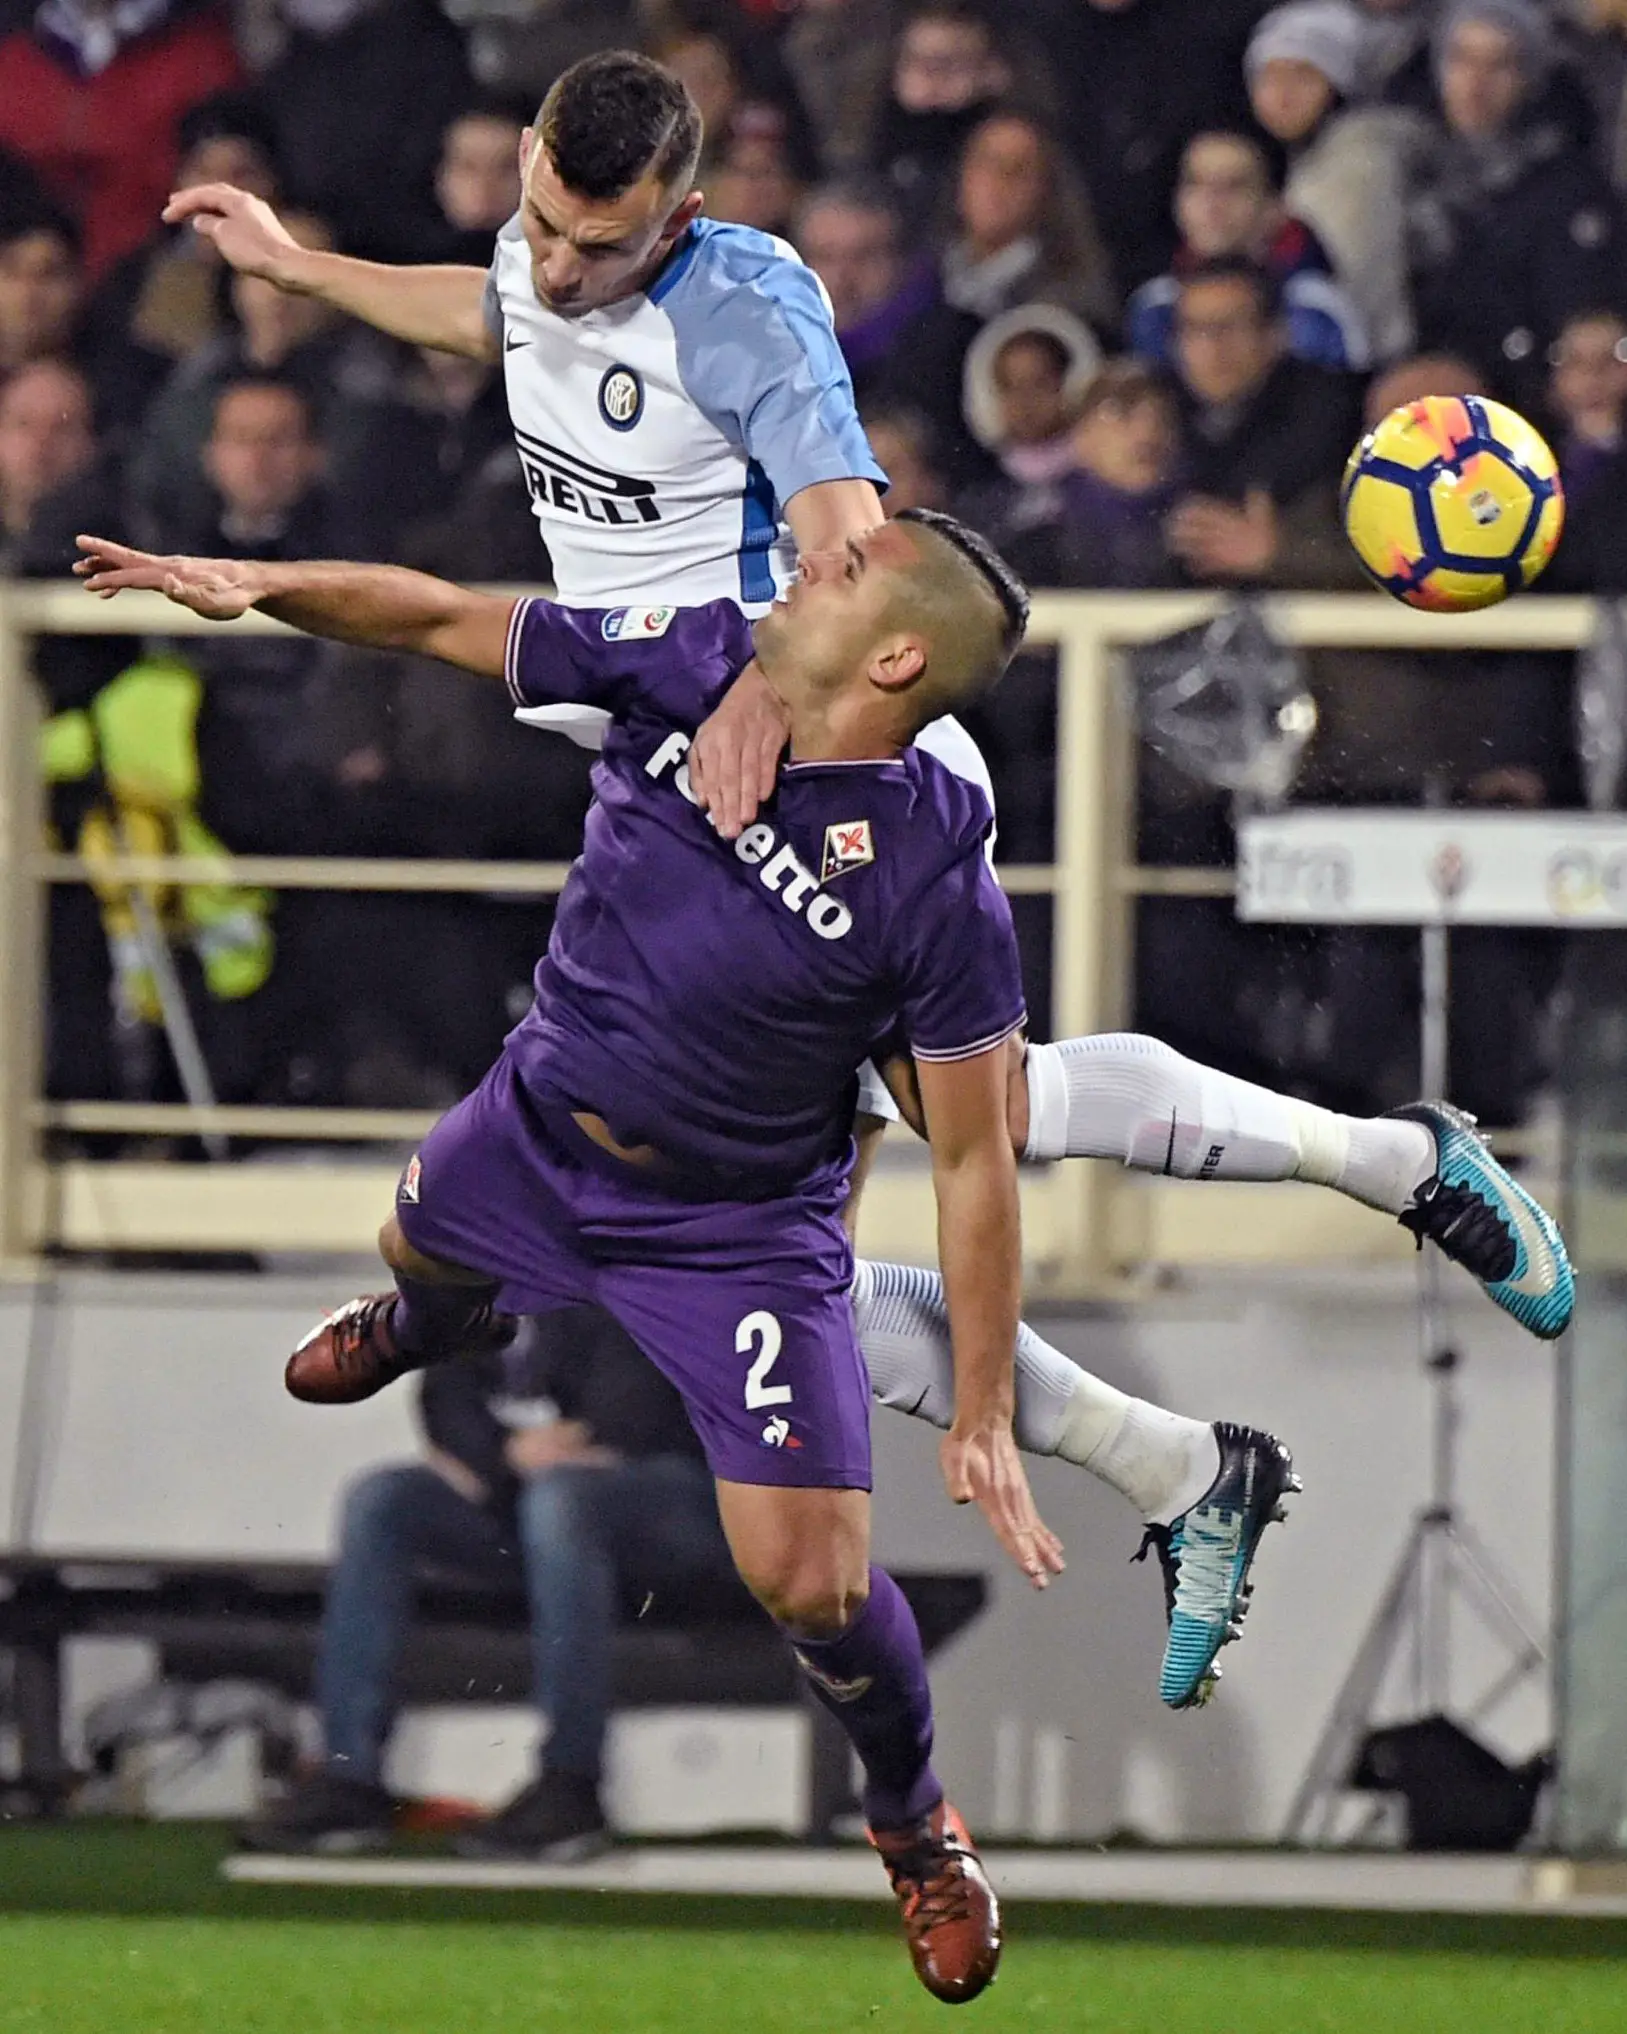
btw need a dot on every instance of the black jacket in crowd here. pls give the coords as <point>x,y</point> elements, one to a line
<point>578,1363</point>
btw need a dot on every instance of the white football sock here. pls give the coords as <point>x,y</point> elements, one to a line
<point>1124,1096</point>
<point>1160,1461</point>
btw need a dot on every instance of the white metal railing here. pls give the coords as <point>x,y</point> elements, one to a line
<point>1086,1226</point>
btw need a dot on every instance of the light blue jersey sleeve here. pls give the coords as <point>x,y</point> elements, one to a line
<point>758,356</point>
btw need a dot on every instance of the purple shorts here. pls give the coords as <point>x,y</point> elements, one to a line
<point>743,1305</point>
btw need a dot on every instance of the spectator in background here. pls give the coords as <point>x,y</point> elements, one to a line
<point>562,1465</point>
<point>90,98</point>
<point>730,73</point>
<point>1264,436</point>
<point>755,182</point>
<point>169,298</point>
<point>1126,447</point>
<point>1602,65</point>
<point>1587,394</point>
<point>1513,227</point>
<point>47,438</point>
<point>1023,229</point>
<point>42,291</point>
<point>44,316</point>
<point>1025,375</point>
<point>906,447</point>
<point>897,335</point>
<point>1228,204</point>
<point>1588,399</point>
<point>1348,169</point>
<point>948,72</point>
<point>344,372</point>
<point>411,455</point>
<point>265,465</point>
<point>839,56</point>
<point>1138,79</point>
<point>360,101</point>
<point>477,179</point>
<point>51,487</point>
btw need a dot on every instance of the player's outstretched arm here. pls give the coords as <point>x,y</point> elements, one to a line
<point>380,606</point>
<point>974,1175</point>
<point>437,306</point>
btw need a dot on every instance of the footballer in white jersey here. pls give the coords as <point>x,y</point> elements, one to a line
<point>660,435</point>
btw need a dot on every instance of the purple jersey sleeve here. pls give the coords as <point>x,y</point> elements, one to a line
<point>673,659</point>
<point>961,977</point>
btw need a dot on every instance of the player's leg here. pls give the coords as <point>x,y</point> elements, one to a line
<point>468,1227</point>
<point>1123,1096</point>
<point>1205,1491</point>
<point>805,1556</point>
<point>770,1373</point>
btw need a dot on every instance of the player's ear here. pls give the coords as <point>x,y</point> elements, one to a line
<point>897,662</point>
<point>683,215</point>
<point>527,137</point>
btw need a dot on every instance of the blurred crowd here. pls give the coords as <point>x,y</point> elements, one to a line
<point>1117,280</point>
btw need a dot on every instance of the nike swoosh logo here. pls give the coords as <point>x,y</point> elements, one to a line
<point>1541,1273</point>
<point>511,345</point>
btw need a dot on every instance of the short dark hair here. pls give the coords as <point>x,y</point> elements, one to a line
<point>617,117</point>
<point>40,219</point>
<point>1261,283</point>
<point>856,193</point>
<point>232,114</point>
<point>986,561</point>
<point>1268,157</point>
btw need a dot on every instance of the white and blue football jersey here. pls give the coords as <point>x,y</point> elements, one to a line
<point>662,436</point>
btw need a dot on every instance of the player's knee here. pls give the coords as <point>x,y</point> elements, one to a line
<point>810,1597</point>
<point>393,1246</point>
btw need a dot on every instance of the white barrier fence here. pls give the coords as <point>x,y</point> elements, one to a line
<point>1087,1228</point>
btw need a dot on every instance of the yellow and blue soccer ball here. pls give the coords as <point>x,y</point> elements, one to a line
<point>1453,502</point>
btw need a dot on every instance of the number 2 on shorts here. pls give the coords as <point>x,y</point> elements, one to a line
<point>761,1331</point>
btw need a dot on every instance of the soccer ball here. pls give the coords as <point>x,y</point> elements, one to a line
<point>1452,502</point>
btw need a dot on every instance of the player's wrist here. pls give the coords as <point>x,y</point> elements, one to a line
<point>299,270</point>
<point>987,1416</point>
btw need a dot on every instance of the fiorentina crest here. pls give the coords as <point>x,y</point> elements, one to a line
<point>848,845</point>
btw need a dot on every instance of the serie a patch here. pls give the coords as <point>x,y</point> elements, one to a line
<point>632,624</point>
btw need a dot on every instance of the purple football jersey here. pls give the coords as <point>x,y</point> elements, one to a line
<point>714,998</point>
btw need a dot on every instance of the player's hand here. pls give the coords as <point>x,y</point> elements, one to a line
<point>981,1466</point>
<point>735,757</point>
<point>248,234</point>
<point>220,588</point>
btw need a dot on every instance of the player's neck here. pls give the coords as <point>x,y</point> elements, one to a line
<point>844,730</point>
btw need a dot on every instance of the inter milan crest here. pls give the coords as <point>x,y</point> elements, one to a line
<point>848,845</point>
<point>621,397</point>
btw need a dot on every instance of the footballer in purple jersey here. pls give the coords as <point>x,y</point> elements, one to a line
<point>668,1132</point>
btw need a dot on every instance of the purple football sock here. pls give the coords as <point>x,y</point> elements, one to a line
<point>432,1322</point>
<point>872,1679</point>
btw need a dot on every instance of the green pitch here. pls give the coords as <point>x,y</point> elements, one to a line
<point>128,1932</point>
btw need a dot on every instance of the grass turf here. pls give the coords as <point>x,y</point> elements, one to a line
<point>120,1931</point>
